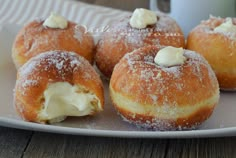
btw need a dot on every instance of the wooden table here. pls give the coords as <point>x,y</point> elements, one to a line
<point>26,144</point>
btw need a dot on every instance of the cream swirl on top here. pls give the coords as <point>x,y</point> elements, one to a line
<point>56,21</point>
<point>226,27</point>
<point>141,18</point>
<point>170,56</point>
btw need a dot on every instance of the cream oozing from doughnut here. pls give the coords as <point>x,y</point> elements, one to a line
<point>63,99</point>
<point>57,84</point>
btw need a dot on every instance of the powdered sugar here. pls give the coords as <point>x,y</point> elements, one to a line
<point>154,98</point>
<point>55,64</point>
<point>29,83</point>
<point>121,30</point>
<point>157,124</point>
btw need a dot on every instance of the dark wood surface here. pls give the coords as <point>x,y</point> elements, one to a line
<point>15,143</point>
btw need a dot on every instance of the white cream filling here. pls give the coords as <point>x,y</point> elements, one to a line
<point>62,99</point>
<point>170,56</point>
<point>141,18</point>
<point>226,27</point>
<point>56,21</point>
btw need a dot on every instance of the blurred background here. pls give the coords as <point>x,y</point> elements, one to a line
<point>121,4</point>
<point>130,5</point>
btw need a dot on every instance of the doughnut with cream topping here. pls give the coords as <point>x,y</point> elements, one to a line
<point>152,91</point>
<point>54,33</point>
<point>142,28</point>
<point>215,39</point>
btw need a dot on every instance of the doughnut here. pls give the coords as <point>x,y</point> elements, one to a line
<point>121,38</point>
<point>35,38</point>
<point>218,46</point>
<point>56,84</point>
<point>169,97</point>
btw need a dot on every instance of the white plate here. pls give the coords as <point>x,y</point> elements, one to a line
<point>107,123</point>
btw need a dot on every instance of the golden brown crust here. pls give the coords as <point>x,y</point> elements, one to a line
<point>121,38</point>
<point>49,67</point>
<point>217,48</point>
<point>142,91</point>
<point>34,38</point>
